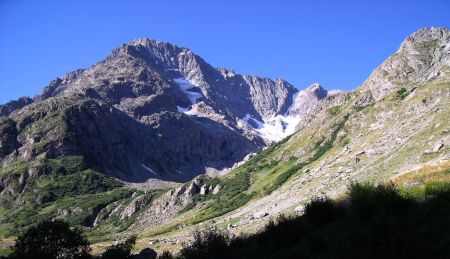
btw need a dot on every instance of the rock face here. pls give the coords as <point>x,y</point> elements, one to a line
<point>9,107</point>
<point>8,136</point>
<point>420,58</point>
<point>305,101</point>
<point>153,110</point>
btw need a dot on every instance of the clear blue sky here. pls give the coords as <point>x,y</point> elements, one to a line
<point>336,43</point>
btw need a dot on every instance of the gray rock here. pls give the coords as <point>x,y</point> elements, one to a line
<point>217,189</point>
<point>260,215</point>
<point>204,190</point>
<point>13,105</point>
<point>438,147</point>
<point>422,57</point>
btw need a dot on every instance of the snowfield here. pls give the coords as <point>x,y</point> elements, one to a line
<point>275,128</point>
<point>186,87</point>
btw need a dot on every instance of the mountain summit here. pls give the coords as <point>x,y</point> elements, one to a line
<point>153,110</point>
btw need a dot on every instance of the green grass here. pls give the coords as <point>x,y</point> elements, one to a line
<point>359,108</point>
<point>66,187</point>
<point>345,141</point>
<point>335,110</point>
<point>258,177</point>
<point>5,251</point>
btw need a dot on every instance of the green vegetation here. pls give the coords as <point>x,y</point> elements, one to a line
<point>372,222</point>
<point>58,240</point>
<point>322,146</point>
<point>258,177</point>
<point>234,193</point>
<point>345,142</point>
<point>335,110</point>
<point>66,189</point>
<point>283,177</point>
<point>401,94</point>
<point>359,108</point>
<point>52,240</point>
<point>121,250</point>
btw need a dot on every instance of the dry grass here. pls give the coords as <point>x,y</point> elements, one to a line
<point>426,173</point>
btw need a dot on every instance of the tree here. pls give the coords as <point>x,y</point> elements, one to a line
<point>52,239</point>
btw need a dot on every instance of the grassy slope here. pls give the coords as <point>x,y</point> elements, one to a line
<point>281,165</point>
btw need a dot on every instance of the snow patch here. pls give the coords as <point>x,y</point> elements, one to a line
<point>186,111</point>
<point>275,128</point>
<point>294,97</point>
<point>181,109</point>
<point>150,170</point>
<point>185,86</point>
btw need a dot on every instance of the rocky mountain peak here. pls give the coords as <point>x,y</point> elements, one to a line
<point>424,36</point>
<point>305,100</point>
<point>316,90</point>
<point>423,56</point>
<point>165,96</point>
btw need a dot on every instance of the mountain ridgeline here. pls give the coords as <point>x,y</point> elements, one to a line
<point>102,147</point>
<point>149,110</point>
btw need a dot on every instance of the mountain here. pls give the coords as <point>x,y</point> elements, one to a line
<point>154,113</point>
<point>151,110</point>
<point>151,114</point>
<point>399,133</point>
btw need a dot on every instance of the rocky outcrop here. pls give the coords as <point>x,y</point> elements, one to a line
<point>422,57</point>
<point>11,106</point>
<point>305,100</point>
<point>8,136</point>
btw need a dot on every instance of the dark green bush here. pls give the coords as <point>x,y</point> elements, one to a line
<point>121,250</point>
<point>52,239</point>
<point>321,211</point>
<point>208,244</point>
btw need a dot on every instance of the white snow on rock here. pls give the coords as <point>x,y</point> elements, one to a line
<point>182,110</point>
<point>275,128</point>
<point>293,101</point>
<point>150,170</point>
<point>185,86</point>
<point>186,111</point>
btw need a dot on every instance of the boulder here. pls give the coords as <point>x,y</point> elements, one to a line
<point>260,215</point>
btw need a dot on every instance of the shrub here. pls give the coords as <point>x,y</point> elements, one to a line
<point>165,255</point>
<point>212,243</point>
<point>367,200</point>
<point>52,239</point>
<point>320,211</point>
<point>121,250</point>
<point>401,94</point>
